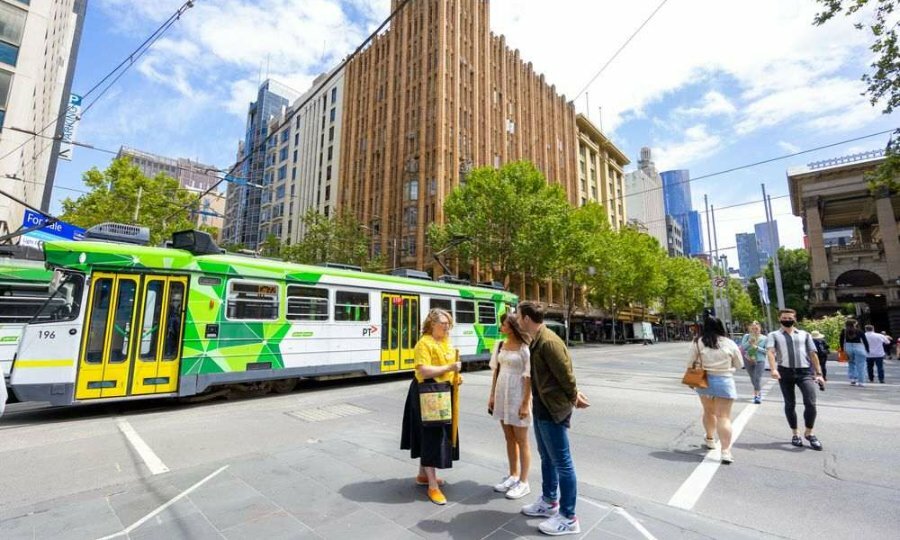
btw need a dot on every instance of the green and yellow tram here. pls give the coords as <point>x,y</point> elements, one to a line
<point>130,322</point>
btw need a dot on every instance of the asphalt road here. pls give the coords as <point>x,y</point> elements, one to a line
<point>324,462</point>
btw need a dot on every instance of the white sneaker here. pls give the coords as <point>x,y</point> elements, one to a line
<point>541,508</point>
<point>711,444</point>
<point>559,525</point>
<point>518,491</point>
<point>508,482</point>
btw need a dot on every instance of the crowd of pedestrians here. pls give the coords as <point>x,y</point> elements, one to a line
<point>533,386</point>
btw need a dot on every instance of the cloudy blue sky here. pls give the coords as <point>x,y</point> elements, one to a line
<point>709,85</point>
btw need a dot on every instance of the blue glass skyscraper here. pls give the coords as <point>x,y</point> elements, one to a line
<point>243,203</point>
<point>748,254</point>
<point>677,198</point>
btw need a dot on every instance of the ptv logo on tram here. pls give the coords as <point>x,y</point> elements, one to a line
<point>370,331</point>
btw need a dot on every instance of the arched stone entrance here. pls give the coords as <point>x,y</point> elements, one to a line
<point>865,289</point>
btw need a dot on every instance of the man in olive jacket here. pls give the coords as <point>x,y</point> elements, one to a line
<point>555,394</point>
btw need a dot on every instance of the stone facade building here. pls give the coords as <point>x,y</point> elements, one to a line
<point>833,198</point>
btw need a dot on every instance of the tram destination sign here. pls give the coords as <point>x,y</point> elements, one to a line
<point>59,230</point>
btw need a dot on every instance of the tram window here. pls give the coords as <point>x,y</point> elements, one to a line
<point>465,312</point>
<point>307,303</point>
<point>151,319</point>
<point>19,302</point>
<point>252,300</point>
<point>172,337</point>
<point>486,313</point>
<point>351,306</point>
<point>118,347</point>
<point>440,303</point>
<point>65,303</point>
<point>102,295</point>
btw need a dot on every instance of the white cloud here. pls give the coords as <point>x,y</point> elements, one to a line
<point>788,147</point>
<point>712,104</point>
<point>696,144</point>
<point>769,49</point>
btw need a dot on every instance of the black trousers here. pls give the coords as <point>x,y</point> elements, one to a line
<point>803,378</point>
<point>870,367</point>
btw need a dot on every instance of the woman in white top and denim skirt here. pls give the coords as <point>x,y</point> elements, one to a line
<point>720,357</point>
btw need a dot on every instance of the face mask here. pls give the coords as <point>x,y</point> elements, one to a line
<point>787,324</point>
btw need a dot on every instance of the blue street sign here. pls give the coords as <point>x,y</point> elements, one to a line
<point>57,231</point>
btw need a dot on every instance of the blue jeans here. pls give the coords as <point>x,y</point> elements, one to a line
<point>856,370</point>
<point>557,468</point>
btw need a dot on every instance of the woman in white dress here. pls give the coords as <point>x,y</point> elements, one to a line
<point>510,402</point>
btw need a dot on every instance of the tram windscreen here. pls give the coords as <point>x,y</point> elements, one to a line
<point>64,303</point>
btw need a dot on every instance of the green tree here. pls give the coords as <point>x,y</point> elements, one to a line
<point>121,191</point>
<point>830,326</point>
<point>633,272</point>
<point>686,287</point>
<point>743,309</point>
<point>509,217</point>
<point>794,275</point>
<point>879,18</point>
<point>271,246</point>
<point>340,240</point>
<point>584,245</point>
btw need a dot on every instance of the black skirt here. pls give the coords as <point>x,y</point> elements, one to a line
<point>433,444</point>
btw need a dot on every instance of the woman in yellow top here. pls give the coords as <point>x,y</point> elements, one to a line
<point>436,362</point>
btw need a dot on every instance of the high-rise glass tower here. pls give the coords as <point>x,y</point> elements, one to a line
<point>767,248</point>
<point>677,195</point>
<point>243,203</point>
<point>748,254</point>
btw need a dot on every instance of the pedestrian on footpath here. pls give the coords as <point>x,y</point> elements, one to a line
<point>822,350</point>
<point>753,347</point>
<point>719,356</point>
<point>888,345</point>
<point>510,403</point>
<point>855,344</point>
<point>875,354</point>
<point>794,363</point>
<point>437,361</point>
<point>554,396</point>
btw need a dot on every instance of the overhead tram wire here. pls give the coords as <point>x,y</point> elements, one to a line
<point>290,117</point>
<point>621,198</point>
<point>120,69</point>
<point>620,49</point>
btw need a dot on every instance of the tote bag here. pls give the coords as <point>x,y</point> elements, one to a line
<point>435,403</point>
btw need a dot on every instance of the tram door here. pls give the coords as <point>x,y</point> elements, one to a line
<point>400,331</point>
<point>158,354</point>
<point>125,309</point>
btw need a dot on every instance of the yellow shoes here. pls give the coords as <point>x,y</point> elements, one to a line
<point>436,496</point>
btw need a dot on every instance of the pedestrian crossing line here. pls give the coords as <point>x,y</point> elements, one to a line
<point>126,532</point>
<point>692,488</point>
<point>150,458</point>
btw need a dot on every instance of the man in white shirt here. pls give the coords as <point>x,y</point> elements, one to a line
<point>875,356</point>
<point>794,362</point>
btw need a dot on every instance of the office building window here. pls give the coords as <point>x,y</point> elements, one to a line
<point>333,114</point>
<point>12,25</point>
<point>283,154</point>
<point>331,134</point>
<point>5,82</point>
<point>333,95</point>
<point>282,172</point>
<point>330,153</point>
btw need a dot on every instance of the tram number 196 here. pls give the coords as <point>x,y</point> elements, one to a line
<point>47,334</point>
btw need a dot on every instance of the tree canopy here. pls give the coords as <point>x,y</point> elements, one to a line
<point>794,275</point>
<point>121,191</point>
<point>338,239</point>
<point>510,219</point>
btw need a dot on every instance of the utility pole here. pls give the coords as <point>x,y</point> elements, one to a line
<point>137,206</point>
<point>712,279</point>
<point>776,265</point>
<point>725,316</point>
